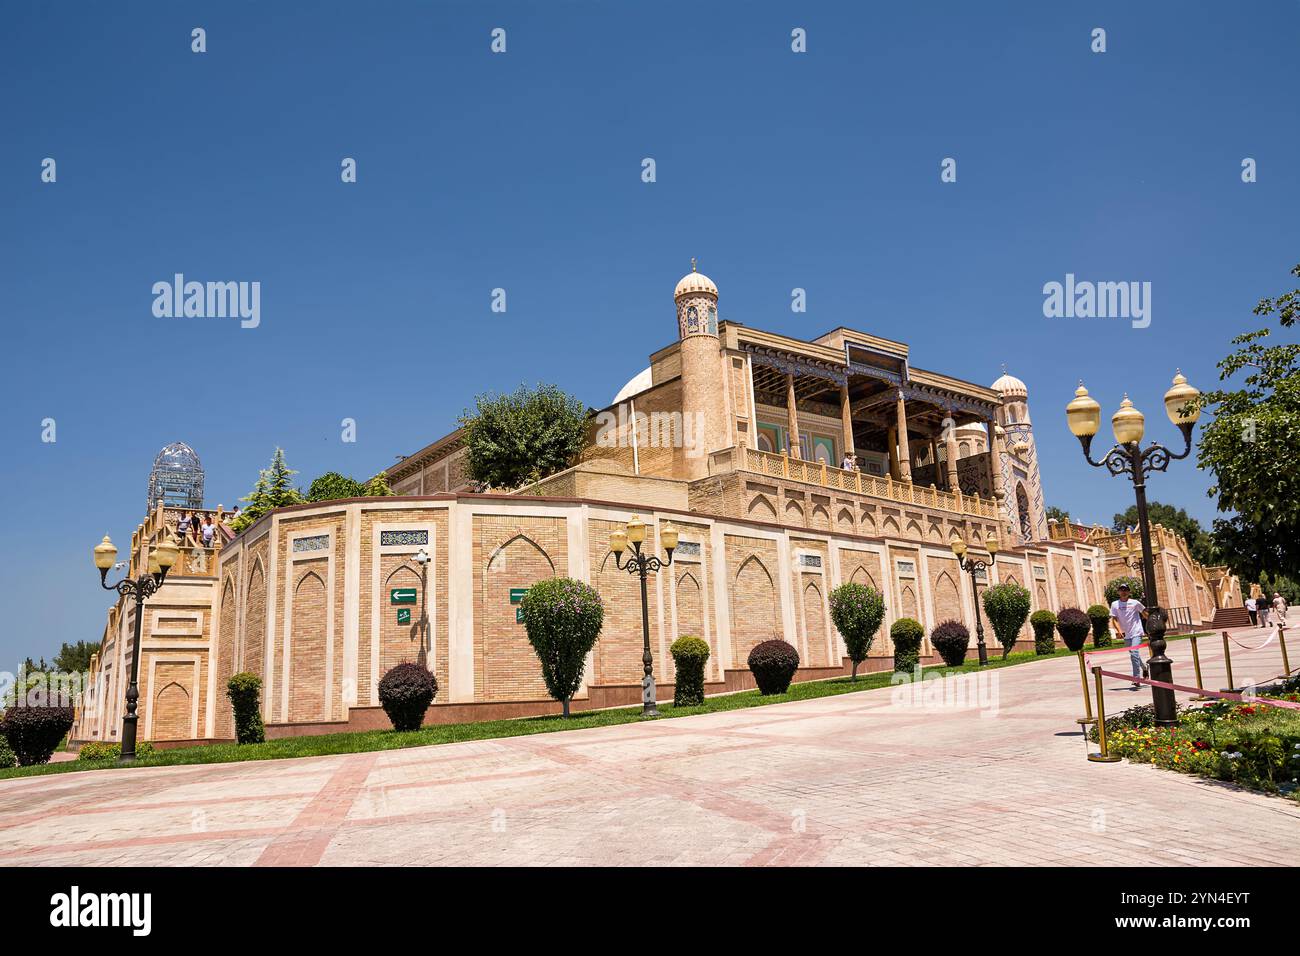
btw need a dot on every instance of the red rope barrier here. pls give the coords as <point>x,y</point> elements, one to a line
<point>1225,695</point>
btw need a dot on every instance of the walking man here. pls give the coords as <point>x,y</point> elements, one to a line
<point>1279,610</point>
<point>1126,617</point>
<point>1253,610</point>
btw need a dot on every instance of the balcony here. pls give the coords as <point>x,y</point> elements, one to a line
<point>825,476</point>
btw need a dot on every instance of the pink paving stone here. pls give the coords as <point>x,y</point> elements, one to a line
<point>851,780</point>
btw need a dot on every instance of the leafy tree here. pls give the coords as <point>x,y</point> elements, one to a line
<point>690,654</point>
<point>906,634</point>
<point>857,611</point>
<point>1136,589</point>
<point>377,487</point>
<point>271,491</point>
<point>1199,542</point>
<point>1250,443</point>
<point>563,618</point>
<point>1044,625</point>
<point>244,690</point>
<point>525,436</point>
<point>1056,514</point>
<point>1284,585</point>
<point>332,485</point>
<point>75,657</point>
<point>1007,606</point>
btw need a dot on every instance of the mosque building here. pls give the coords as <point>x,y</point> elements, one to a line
<point>735,435</point>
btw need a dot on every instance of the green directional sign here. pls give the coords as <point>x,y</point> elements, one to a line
<point>517,594</point>
<point>402,595</point>
<point>403,615</point>
<point>519,615</point>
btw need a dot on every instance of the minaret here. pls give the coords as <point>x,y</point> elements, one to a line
<point>1023,506</point>
<point>703,400</point>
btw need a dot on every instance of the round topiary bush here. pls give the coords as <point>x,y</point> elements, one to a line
<point>1074,627</point>
<point>1134,586</point>
<point>34,731</point>
<point>906,635</point>
<point>245,691</point>
<point>951,639</point>
<point>690,654</point>
<point>1044,625</point>
<point>773,664</point>
<point>1007,606</point>
<point>1099,617</point>
<point>406,692</point>
<point>857,611</point>
<point>563,618</point>
<point>7,758</point>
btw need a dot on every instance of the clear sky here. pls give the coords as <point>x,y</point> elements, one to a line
<point>523,171</point>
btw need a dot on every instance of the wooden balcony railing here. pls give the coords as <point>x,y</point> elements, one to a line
<point>819,473</point>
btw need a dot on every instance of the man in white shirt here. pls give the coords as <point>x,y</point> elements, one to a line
<point>1126,617</point>
<point>1253,610</point>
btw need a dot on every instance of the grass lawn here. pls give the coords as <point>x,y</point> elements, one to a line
<point>363,741</point>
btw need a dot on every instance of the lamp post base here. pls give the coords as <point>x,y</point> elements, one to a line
<point>648,695</point>
<point>1104,758</point>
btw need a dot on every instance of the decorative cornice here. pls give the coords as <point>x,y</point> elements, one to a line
<point>793,365</point>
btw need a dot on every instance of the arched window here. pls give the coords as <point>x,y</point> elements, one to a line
<point>1022,507</point>
<point>713,321</point>
<point>692,320</point>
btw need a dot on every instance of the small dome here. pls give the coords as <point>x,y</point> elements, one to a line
<point>1010,386</point>
<point>637,384</point>
<point>694,282</point>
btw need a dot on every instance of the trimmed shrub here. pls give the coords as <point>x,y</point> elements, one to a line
<point>563,618</point>
<point>245,691</point>
<point>1099,617</point>
<point>857,611</point>
<point>690,654</point>
<point>906,635</point>
<point>773,664</point>
<point>103,750</point>
<point>951,639</point>
<point>1044,625</point>
<point>406,692</point>
<point>7,757</point>
<point>34,732</point>
<point>1074,627</point>
<point>1135,588</point>
<point>1007,606</point>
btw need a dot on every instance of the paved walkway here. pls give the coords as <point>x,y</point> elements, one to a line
<point>856,779</point>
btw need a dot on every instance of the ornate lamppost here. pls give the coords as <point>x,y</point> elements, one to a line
<point>640,564</point>
<point>1129,458</point>
<point>973,566</point>
<point>161,558</point>
<point>422,558</point>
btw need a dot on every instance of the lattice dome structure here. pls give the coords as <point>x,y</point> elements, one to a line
<point>176,479</point>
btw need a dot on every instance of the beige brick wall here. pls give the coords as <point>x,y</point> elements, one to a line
<point>752,569</point>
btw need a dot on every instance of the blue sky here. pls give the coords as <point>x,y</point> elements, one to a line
<point>522,171</point>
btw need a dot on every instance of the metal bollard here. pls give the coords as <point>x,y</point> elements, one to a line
<point>1104,756</point>
<point>1087,717</point>
<point>1281,639</point>
<point>1196,663</point>
<point>1227,660</point>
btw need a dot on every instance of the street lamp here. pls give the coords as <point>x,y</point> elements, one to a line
<point>422,558</point>
<point>973,566</point>
<point>161,557</point>
<point>641,564</point>
<point>1129,458</point>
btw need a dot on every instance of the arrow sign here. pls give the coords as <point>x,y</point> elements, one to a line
<point>517,594</point>
<point>402,596</point>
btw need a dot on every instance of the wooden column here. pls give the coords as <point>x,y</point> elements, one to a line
<point>995,460</point>
<point>950,449</point>
<point>891,439</point>
<point>904,453</point>
<point>846,419</point>
<point>792,417</point>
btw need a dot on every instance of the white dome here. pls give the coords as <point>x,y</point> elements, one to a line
<point>695,282</point>
<point>636,384</point>
<point>1009,385</point>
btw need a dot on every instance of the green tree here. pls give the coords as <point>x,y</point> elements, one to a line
<point>1056,514</point>
<point>525,436</point>
<point>1007,606</point>
<point>1284,585</point>
<point>1250,446</point>
<point>332,485</point>
<point>271,491</point>
<point>857,611</point>
<point>377,486</point>
<point>563,618</point>
<point>75,657</point>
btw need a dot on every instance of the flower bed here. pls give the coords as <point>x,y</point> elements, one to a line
<point>1251,744</point>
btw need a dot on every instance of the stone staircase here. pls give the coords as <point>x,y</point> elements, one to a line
<point>1226,617</point>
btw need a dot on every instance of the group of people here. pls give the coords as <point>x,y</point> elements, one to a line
<point>1127,615</point>
<point>849,463</point>
<point>1266,613</point>
<point>199,530</point>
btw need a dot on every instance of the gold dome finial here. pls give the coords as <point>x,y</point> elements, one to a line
<point>692,263</point>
